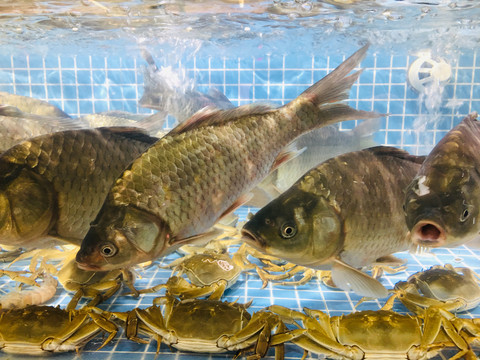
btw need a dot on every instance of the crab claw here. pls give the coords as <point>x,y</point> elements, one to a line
<point>428,233</point>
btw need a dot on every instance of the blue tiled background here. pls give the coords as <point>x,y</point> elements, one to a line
<point>83,85</point>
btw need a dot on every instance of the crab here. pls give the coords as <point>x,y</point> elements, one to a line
<point>37,330</point>
<point>9,254</point>
<point>18,276</point>
<point>382,334</point>
<point>209,326</point>
<point>453,289</point>
<point>93,284</point>
<point>210,274</point>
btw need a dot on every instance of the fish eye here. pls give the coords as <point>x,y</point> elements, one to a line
<point>108,250</point>
<point>288,230</point>
<point>465,215</point>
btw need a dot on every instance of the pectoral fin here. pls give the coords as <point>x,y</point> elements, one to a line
<point>348,278</point>
<point>287,154</point>
<point>236,204</point>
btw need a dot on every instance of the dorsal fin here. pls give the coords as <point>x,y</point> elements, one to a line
<point>210,115</point>
<point>395,152</point>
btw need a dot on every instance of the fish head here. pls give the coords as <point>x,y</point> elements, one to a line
<point>441,208</point>
<point>27,206</point>
<point>121,236</point>
<point>298,226</point>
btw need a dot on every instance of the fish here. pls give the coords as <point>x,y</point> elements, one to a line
<point>31,105</point>
<point>112,118</point>
<point>313,148</point>
<point>153,124</point>
<point>203,169</point>
<point>343,215</point>
<point>16,125</point>
<point>170,92</point>
<point>52,186</point>
<point>443,200</point>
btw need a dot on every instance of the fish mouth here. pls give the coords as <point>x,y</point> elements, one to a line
<point>88,267</point>
<point>252,240</point>
<point>84,262</point>
<point>428,233</point>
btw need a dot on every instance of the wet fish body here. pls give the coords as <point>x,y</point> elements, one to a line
<point>314,147</point>
<point>153,124</point>
<point>171,93</point>
<point>52,186</point>
<point>31,105</point>
<point>442,202</point>
<point>202,170</point>
<point>342,215</point>
<point>16,125</point>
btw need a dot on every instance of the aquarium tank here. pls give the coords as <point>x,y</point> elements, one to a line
<point>152,65</point>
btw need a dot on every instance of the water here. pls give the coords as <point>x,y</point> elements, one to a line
<point>86,57</point>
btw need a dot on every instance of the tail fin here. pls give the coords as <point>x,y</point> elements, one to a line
<point>336,85</point>
<point>326,94</point>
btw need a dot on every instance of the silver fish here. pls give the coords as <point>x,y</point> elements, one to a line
<point>31,105</point>
<point>153,124</point>
<point>314,148</point>
<point>172,94</point>
<point>16,125</point>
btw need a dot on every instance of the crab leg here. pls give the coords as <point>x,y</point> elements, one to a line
<point>15,276</point>
<point>436,319</point>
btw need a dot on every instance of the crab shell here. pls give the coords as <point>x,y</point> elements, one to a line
<point>203,325</point>
<point>441,284</point>
<point>73,278</point>
<point>35,330</point>
<point>381,334</point>
<point>208,268</point>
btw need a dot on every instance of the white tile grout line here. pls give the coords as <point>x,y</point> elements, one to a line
<point>13,75</point>
<point>61,82</point>
<point>473,80</point>
<point>92,88</point>
<point>76,85</point>
<point>27,58</point>
<point>296,294</point>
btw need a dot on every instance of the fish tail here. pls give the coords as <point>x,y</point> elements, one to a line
<point>155,85</point>
<point>321,105</point>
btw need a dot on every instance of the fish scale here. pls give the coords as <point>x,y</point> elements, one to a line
<point>343,215</point>
<point>441,203</point>
<point>68,174</point>
<point>203,169</point>
<point>223,166</point>
<point>373,226</point>
<point>176,192</point>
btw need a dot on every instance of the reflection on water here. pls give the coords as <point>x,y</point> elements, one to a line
<point>103,25</point>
